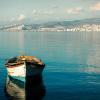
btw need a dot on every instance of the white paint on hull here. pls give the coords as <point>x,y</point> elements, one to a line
<point>23,70</point>
<point>17,71</point>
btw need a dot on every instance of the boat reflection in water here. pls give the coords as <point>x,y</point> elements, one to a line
<point>32,89</point>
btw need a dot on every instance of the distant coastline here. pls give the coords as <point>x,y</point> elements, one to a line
<point>81,28</point>
<point>86,25</point>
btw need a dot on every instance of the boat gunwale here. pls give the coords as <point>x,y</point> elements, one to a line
<point>14,64</point>
<point>20,61</point>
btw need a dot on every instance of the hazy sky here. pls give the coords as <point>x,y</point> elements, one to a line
<point>48,10</point>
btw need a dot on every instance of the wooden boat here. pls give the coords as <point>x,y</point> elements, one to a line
<point>21,67</point>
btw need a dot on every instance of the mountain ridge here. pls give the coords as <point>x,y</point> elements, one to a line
<point>52,25</point>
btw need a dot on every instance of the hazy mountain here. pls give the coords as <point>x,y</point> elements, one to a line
<point>60,24</point>
<point>75,22</point>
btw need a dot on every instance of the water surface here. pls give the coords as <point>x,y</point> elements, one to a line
<point>72,61</point>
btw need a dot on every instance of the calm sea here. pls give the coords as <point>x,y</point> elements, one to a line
<point>72,61</point>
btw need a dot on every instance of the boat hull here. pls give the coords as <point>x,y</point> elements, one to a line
<point>25,70</point>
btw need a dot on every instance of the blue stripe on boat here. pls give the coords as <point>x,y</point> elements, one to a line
<point>19,78</point>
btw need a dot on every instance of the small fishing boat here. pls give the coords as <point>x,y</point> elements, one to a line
<point>21,67</point>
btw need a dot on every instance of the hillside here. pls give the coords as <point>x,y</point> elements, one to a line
<point>51,26</point>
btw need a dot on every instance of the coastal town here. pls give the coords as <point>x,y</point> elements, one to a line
<point>81,28</point>
<point>58,28</point>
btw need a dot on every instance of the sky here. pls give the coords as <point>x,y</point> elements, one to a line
<point>48,10</point>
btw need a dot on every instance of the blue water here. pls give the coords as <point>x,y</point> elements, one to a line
<point>72,61</point>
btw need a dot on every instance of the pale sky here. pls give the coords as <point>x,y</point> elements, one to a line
<point>48,10</point>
